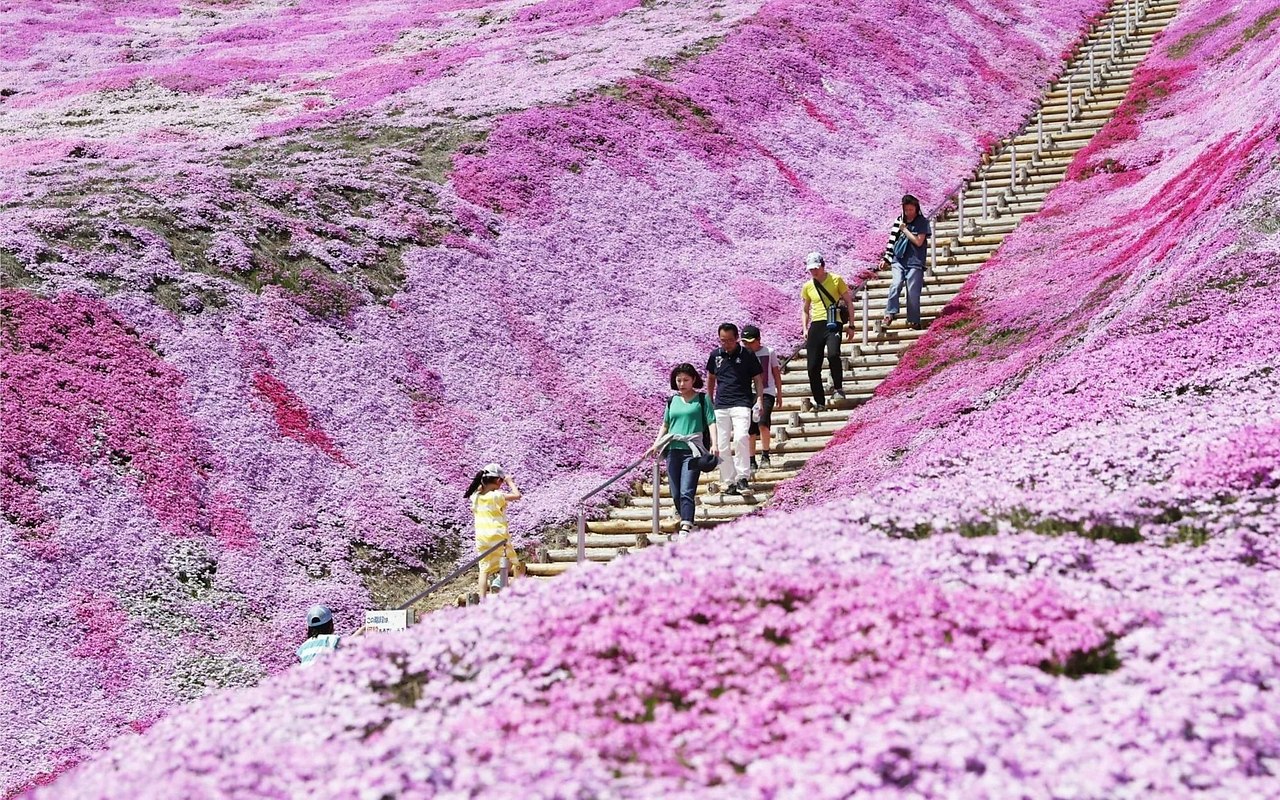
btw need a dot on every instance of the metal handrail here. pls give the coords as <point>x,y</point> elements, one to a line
<point>502,581</point>
<point>582,501</point>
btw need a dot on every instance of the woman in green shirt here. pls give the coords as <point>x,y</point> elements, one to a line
<point>687,436</point>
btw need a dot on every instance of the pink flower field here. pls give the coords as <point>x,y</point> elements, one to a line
<point>278,278</point>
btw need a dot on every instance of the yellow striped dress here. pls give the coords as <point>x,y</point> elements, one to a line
<point>490,510</point>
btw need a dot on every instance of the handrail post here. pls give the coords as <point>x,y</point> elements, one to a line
<point>1113,40</point>
<point>1091,72</point>
<point>866,310</point>
<point>1040,130</point>
<point>960,208</point>
<point>582,533</point>
<point>1071,86</point>
<point>504,569</point>
<point>933,247</point>
<point>1013,164</point>
<point>657,527</point>
<point>984,197</point>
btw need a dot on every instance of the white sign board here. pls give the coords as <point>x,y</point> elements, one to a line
<point>388,620</point>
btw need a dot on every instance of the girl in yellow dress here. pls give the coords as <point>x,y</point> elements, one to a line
<point>489,505</point>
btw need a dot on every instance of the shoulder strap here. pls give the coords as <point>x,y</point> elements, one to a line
<point>830,300</point>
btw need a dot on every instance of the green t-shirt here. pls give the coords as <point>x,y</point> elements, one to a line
<point>682,418</point>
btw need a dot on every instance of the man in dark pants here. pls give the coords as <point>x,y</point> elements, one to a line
<point>906,254</point>
<point>820,297</point>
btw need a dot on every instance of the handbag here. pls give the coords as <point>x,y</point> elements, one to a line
<point>900,245</point>
<point>709,460</point>
<point>841,310</point>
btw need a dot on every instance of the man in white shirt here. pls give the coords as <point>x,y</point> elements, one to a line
<point>770,396</point>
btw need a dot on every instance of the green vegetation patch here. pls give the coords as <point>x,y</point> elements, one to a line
<point>1183,47</point>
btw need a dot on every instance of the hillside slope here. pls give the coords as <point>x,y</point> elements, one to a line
<point>1080,603</point>
<point>279,276</point>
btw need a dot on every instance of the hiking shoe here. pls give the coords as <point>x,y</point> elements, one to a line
<point>742,485</point>
<point>838,394</point>
<point>819,407</point>
<point>685,529</point>
<point>766,462</point>
<point>732,489</point>
<point>754,465</point>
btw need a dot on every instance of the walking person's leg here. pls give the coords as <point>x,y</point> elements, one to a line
<point>915,283</point>
<point>813,345</point>
<point>895,288</point>
<point>835,363</point>
<point>688,489</point>
<point>765,428</point>
<point>741,443</point>
<point>724,440</point>
<point>675,476</point>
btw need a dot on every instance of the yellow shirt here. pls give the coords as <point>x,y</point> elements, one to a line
<point>834,284</point>
<point>490,509</point>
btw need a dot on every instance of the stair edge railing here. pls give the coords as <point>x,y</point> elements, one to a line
<point>503,575</point>
<point>1092,40</point>
<point>619,475</point>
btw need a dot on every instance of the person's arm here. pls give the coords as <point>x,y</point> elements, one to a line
<point>887,258</point>
<point>711,386</point>
<point>777,376</point>
<point>711,429</point>
<point>662,431</point>
<point>916,239</point>
<point>514,493</point>
<point>804,315</point>
<point>758,380</point>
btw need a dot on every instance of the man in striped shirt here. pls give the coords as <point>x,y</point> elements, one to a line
<point>321,640</point>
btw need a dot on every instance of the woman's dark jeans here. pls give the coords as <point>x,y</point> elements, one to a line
<point>682,472</point>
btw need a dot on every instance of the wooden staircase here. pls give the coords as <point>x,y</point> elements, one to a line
<point>1017,177</point>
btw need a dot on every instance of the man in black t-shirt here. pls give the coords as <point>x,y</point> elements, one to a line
<point>735,383</point>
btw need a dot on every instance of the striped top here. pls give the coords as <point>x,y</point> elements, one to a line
<point>317,646</point>
<point>490,509</point>
<point>894,233</point>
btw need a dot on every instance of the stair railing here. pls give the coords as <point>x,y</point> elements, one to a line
<point>503,575</point>
<point>622,473</point>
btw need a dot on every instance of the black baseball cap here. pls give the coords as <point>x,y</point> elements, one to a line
<point>750,333</point>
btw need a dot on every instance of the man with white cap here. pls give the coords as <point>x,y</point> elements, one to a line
<point>826,301</point>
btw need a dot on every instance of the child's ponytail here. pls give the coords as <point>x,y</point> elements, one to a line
<point>475,484</point>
